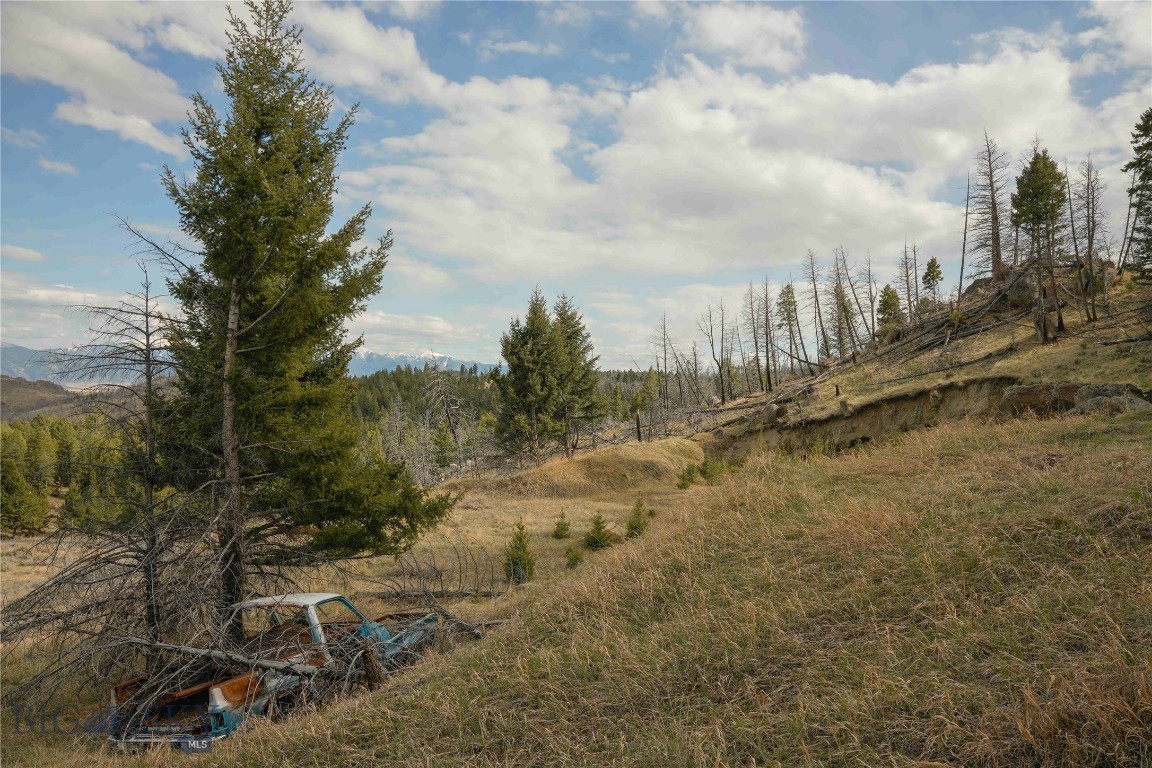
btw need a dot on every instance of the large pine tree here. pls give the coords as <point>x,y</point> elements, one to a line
<point>580,400</point>
<point>530,390</point>
<point>1139,246</point>
<point>1038,209</point>
<point>264,402</point>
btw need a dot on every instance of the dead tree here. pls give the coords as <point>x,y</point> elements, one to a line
<point>136,553</point>
<point>812,274</point>
<point>1088,195</point>
<point>752,317</point>
<point>767,312</point>
<point>988,207</point>
<point>716,339</point>
<point>446,406</point>
<point>964,241</point>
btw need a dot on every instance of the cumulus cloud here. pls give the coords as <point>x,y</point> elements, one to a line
<point>390,331</point>
<point>343,48</point>
<point>55,166</point>
<point>97,57</point>
<point>20,253</point>
<point>1125,30</point>
<point>713,168</point>
<point>750,34</point>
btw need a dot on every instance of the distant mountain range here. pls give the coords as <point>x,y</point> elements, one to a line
<point>365,363</point>
<point>23,363</point>
<point>31,364</point>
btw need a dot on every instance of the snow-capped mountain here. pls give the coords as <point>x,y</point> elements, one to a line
<point>365,362</point>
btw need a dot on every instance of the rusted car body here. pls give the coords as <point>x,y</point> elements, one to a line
<point>290,642</point>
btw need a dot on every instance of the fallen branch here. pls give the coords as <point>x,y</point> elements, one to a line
<point>1126,340</point>
<point>229,657</point>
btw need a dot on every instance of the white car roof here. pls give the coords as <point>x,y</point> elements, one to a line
<point>298,598</point>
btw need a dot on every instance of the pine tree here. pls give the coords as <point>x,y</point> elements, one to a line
<point>890,313</point>
<point>1138,250</point>
<point>530,390</point>
<point>519,562</point>
<point>1038,209</point>
<point>261,357</point>
<point>932,278</point>
<point>600,536</point>
<point>23,509</point>
<point>579,400</point>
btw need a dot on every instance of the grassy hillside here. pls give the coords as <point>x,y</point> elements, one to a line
<point>22,399</point>
<point>974,595</point>
<point>1011,349</point>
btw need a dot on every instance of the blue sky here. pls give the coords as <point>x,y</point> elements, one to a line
<point>645,158</point>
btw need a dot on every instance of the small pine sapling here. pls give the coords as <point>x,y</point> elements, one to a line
<point>519,563</point>
<point>573,556</point>
<point>599,537</point>
<point>563,528</point>
<point>688,476</point>
<point>638,520</point>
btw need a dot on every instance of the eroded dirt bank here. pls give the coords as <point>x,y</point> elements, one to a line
<point>786,427</point>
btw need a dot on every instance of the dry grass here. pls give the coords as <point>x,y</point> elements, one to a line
<point>618,468</point>
<point>971,595</point>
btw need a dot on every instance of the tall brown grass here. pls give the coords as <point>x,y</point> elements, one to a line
<point>974,595</point>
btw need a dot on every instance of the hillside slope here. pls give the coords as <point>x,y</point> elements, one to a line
<point>969,595</point>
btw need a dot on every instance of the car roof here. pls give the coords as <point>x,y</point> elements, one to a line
<point>297,598</point>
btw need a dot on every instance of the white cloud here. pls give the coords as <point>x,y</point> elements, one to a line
<point>85,51</point>
<point>343,48</point>
<point>611,58</point>
<point>407,276</point>
<point>566,13</point>
<point>751,34</point>
<point>520,46</point>
<point>40,316</point>
<point>412,10</point>
<point>1125,27</point>
<point>20,253</point>
<point>396,332</point>
<point>26,138</point>
<point>54,166</point>
<point>712,169</point>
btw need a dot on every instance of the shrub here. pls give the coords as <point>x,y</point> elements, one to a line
<point>713,469</point>
<point>573,556</point>
<point>519,564</point>
<point>688,476</point>
<point>599,537</point>
<point>563,528</point>
<point>638,520</point>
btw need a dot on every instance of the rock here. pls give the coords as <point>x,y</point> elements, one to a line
<point>1022,292</point>
<point>977,286</point>
<point>1096,391</point>
<point>1040,399</point>
<point>1111,406</point>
